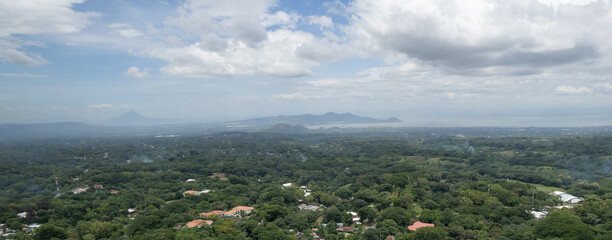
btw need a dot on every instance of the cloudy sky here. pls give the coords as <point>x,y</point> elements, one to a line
<point>427,62</point>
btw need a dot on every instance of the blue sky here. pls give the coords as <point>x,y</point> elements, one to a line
<point>464,63</point>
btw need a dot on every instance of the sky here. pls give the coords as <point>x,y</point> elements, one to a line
<point>427,62</point>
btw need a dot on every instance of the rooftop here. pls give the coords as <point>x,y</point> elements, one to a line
<point>418,225</point>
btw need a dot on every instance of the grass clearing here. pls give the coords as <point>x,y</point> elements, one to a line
<point>540,187</point>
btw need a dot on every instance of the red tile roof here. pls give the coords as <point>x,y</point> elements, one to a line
<point>238,209</point>
<point>214,212</point>
<point>418,225</point>
<point>243,208</point>
<point>198,223</point>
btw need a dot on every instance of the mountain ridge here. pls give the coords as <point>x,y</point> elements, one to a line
<point>312,119</point>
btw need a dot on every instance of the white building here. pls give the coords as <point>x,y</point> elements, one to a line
<point>568,198</point>
<point>538,214</point>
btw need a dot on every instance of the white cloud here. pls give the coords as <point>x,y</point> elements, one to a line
<point>407,69</point>
<point>472,37</point>
<point>566,2</point>
<point>280,18</point>
<point>234,40</point>
<point>569,90</point>
<point>322,21</point>
<point>241,19</point>
<point>135,72</point>
<point>36,17</point>
<point>124,30</point>
<point>101,105</point>
<point>276,57</point>
<point>41,16</point>
<point>124,106</point>
<point>13,56</point>
<point>290,96</point>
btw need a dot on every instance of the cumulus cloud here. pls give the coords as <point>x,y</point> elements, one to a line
<point>36,17</point>
<point>483,37</point>
<point>276,57</point>
<point>135,72</point>
<point>475,38</point>
<point>281,18</point>
<point>39,17</point>
<point>100,106</point>
<point>322,21</point>
<point>242,38</point>
<point>569,90</point>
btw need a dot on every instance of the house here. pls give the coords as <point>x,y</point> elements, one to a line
<point>237,211</point>
<point>343,229</point>
<point>287,185</point>
<point>568,198</point>
<point>198,223</point>
<point>22,214</point>
<point>213,212</point>
<point>98,186</point>
<point>309,207</point>
<point>354,216</point>
<point>538,214</point>
<point>189,180</point>
<point>132,213</point>
<point>30,227</point>
<point>191,192</point>
<point>418,225</point>
<point>79,190</point>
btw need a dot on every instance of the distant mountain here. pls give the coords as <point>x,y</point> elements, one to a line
<point>133,118</point>
<point>310,119</point>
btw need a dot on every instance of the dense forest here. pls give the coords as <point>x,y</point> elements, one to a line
<point>368,185</point>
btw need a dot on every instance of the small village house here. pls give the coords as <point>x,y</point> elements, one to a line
<point>238,211</point>
<point>418,225</point>
<point>191,192</point>
<point>198,223</point>
<point>213,212</point>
